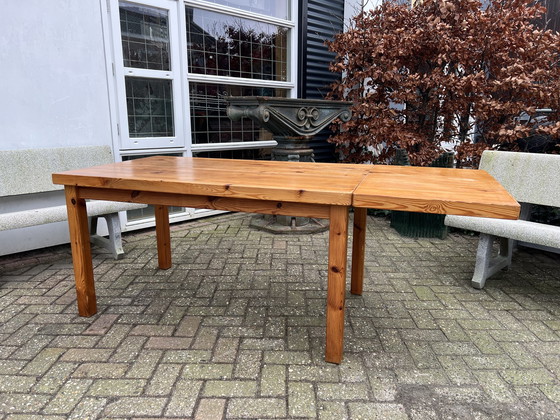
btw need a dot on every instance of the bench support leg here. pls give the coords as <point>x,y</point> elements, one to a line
<point>486,264</point>
<point>114,242</point>
<point>81,252</point>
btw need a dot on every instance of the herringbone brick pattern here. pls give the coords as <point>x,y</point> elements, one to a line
<point>235,330</point>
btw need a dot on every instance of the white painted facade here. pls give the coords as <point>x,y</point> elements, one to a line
<point>62,85</point>
<point>54,94</point>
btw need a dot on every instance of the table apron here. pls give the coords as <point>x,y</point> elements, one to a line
<point>208,202</point>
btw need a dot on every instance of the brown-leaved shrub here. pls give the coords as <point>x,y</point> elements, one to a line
<point>444,73</point>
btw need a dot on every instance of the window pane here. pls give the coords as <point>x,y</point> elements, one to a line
<point>274,8</point>
<point>145,37</point>
<point>248,154</point>
<point>232,46</point>
<point>209,121</point>
<point>150,107</point>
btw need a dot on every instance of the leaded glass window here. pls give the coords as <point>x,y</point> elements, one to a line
<point>224,45</point>
<point>209,122</point>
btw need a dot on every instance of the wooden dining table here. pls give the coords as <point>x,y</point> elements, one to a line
<point>318,190</point>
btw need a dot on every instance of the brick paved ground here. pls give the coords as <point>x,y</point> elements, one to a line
<point>236,330</point>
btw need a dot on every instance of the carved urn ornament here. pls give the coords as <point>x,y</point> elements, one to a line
<point>292,122</point>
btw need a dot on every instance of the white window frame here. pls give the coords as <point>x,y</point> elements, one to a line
<point>177,75</point>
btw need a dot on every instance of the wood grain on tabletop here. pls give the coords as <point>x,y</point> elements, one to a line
<point>321,183</point>
<point>435,190</point>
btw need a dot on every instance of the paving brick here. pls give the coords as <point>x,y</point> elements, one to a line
<point>391,341</point>
<point>383,384</point>
<point>286,357</point>
<point>165,343</point>
<point>229,388</point>
<point>248,364</point>
<point>13,383</point>
<point>205,338</point>
<point>552,391</point>
<point>494,386</point>
<point>33,347</point>
<point>55,377</point>
<point>255,408</point>
<point>101,370</point>
<point>527,376</point>
<point>301,399</point>
<point>210,409</point>
<point>88,408</point>
<point>208,371</point>
<point>33,417</point>
<point>9,367</point>
<point>424,357</point>
<point>68,341</point>
<point>136,406</point>
<point>115,336</point>
<point>322,373</point>
<point>342,391</point>
<point>273,381</point>
<point>101,325</point>
<point>43,361</point>
<point>484,342</point>
<point>452,330</point>
<point>128,349</point>
<point>332,410</point>
<point>457,370</point>
<point>116,388</point>
<point>145,364</point>
<point>188,326</point>
<point>226,350</point>
<point>153,330</point>
<point>86,355</point>
<point>183,399</point>
<point>186,356</point>
<point>163,380</point>
<point>377,411</point>
<point>68,396</point>
<point>500,361</point>
<point>22,403</point>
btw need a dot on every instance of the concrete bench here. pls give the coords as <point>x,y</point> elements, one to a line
<point>530,178</point>
<point>24,172</point>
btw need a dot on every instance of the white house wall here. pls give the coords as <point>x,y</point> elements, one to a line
<point>54,83</point>
<point>54,92</point>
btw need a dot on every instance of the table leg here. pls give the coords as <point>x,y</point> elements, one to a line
<point>358,251</point>
<point>336,286</point>
<point>81,252</point>
<point>163,237</point>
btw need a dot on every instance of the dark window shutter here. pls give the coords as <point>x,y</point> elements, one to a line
<point>320,20</point>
